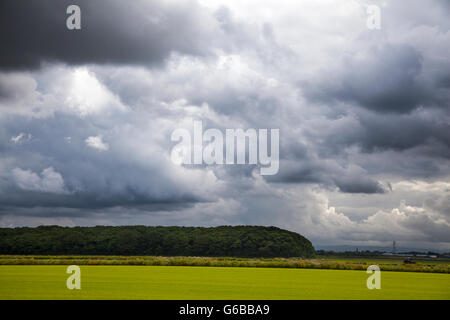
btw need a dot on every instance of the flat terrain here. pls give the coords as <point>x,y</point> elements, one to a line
<point>386,260</point>
<point>439,265</point>
<point>179,282</point>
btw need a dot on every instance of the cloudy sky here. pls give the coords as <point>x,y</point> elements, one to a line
<point>86,115</point>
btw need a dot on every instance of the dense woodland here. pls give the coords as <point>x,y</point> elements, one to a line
<point>231,241</point>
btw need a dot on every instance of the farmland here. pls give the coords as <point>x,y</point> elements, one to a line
<point>321,262</point>
<point>177,282</point>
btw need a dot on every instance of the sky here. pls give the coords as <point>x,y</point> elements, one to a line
<point>86,116</point>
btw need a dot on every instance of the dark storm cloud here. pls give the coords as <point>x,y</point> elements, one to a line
<point>405,132</point>
<point>15,198</point>
<point>373,132</point>
<point>386,78</point>
<point>413,145</point>
<point>88,178</point>
<point>113,31</point>
<point>328,174</point>
<point>358,184</point>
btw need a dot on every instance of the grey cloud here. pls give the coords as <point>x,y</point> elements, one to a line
<point>90,179</point>
<point>328,174</point>
<point>359,185</point>
<point>112,32</point>
<point>382,78</point>
<point>377,113</point>
<point>15,86</point>
<point>374,132</point>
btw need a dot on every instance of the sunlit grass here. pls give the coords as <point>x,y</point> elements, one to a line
<point>165,282</point>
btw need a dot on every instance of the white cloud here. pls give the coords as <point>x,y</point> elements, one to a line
<point>48,181</point>
<point>72,90</point>
<point>419,225</point>
<point>86,95</point>
<point>97,143</point>
<point>21,138</point>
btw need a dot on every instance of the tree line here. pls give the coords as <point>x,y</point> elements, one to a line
<point>223,241</point>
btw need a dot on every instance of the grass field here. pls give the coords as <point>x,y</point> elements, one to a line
<point>166,282</point>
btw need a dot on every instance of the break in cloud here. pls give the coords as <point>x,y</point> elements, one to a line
<point>364,116</point>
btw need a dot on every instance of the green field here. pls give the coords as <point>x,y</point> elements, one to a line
<point>165,282</point>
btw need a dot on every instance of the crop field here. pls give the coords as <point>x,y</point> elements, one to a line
<point>180,282</point>
<point>387,260</point>
<point>321,262</point>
